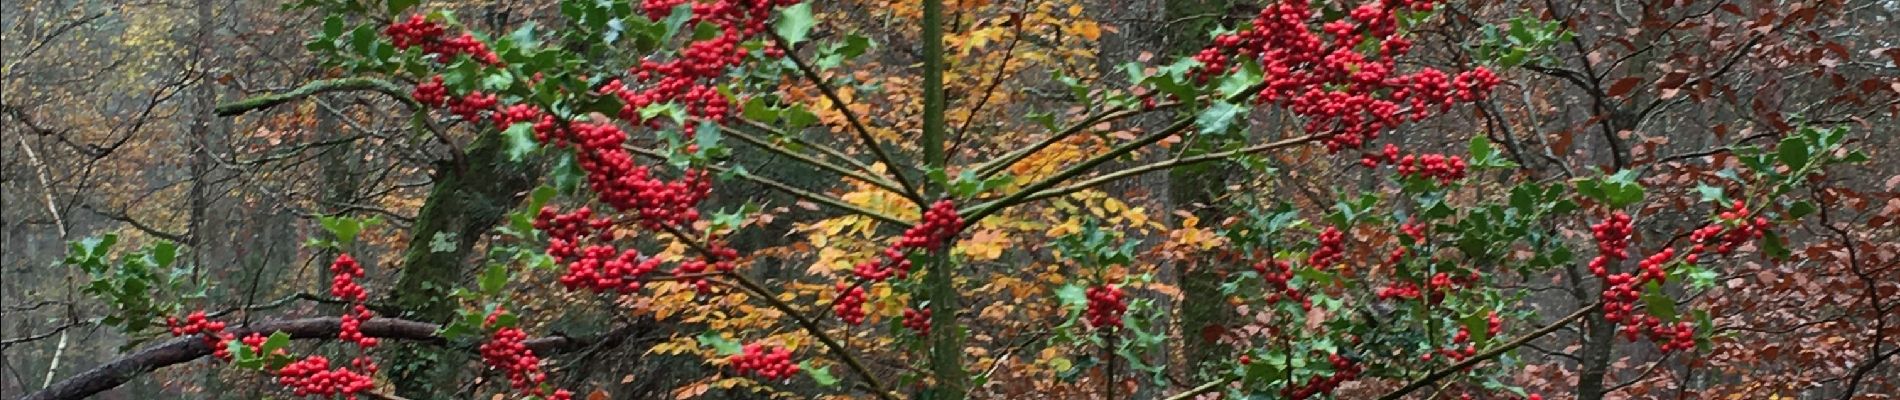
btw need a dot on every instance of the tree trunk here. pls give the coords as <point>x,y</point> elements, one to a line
<point>464,204</point>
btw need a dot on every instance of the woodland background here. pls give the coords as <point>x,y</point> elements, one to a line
<point>109,126</point>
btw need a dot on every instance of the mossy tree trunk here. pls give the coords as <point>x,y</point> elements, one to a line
<point>466,202</point>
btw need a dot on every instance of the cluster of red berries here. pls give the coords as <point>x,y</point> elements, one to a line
<point>1332,245</point>
<point>1399,290</point>
<point>431,92</point>
<point>1434,291</point>
<point>770,363</point>
<point>418,30</point>
<point>1279,275</point>
<point>850,303</point>
<point>717,256</point>
<point>1106,305</point>
<point>1734,230</point>
<point>1435,166</point>
<point>312,376</point>
<point>692,78</point>
<point>1414,229</point>
<point>596,267</point>
<point>1613,239</point>
<point>344,272</point>
<point>1322,76</point>
<point>1343,370</point>
<point>917,320</point>
<point>506,350</point>
<point>940,223</point>
<point>212,332</point>
<point>1619,308</point>
<point>617,181</point>
<point>471,106</point>
<point>1493,326</point>
<point>510,115</point>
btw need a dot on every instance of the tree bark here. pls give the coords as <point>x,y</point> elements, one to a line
<point>465,203</point>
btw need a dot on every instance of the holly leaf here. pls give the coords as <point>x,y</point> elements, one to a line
<point>719,343</point>
<point>821,375</point>
<point>1218,117</point>
<point>494,278</point>
<point>1658,303</point>
<point>519,140</point>
<point>1072,297</point>
<point>1793,152</point>
<point>794,23</point>
<point>396,7</point>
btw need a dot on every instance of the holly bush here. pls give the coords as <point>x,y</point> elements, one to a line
<point>1418,278</point>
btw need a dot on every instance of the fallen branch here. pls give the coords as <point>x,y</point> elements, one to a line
<point>185,349</point>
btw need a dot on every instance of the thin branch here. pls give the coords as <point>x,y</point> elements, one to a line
<point>789,189</point>
<point>311,89</point>
<point>813,161</point>
<point>828,150</point>
<point>877,386</point>
<point>1489,354</point>
<point>810,326</point>
<point>1086,165</point>
<point>1205,388</point>
<point>1003,163</point>
<point>1129,172</point>
<point>857,125</point>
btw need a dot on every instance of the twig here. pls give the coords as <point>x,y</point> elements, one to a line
<point>1487,355</point>
<point>857,125</point>
<point>810,326</point>
<point>789,189</point>
<point>809,160</point>
<point>311,89</point>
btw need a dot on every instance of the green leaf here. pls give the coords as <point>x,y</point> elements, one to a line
<point>1218,117</point>
<point>442,242</point>
<point>719,343</point>
<point>1800,209</point>
<point>344,229</point>
<point>494,278</point>
<point>164,252</point>
<point>333,26</point>
<point>757,110</point>
<point>1658,303</point>
<point>1072,296</point>
<point>821,375</point>
<point>396,7</point>
<point>519,140</point>
<point>1793,152</point>
<point>1702,278</point>
<point>794,23</point>
<point>1478,324</point>
<point>277,340</point>
<point>1711,193</point>
<point>1772,246</point>
<point>243,356</point>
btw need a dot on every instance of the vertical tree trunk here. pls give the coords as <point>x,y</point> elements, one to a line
<point>946,341</point>
<point>464,204</point>
<point>1136,31</point>
<point>1204,312</point>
